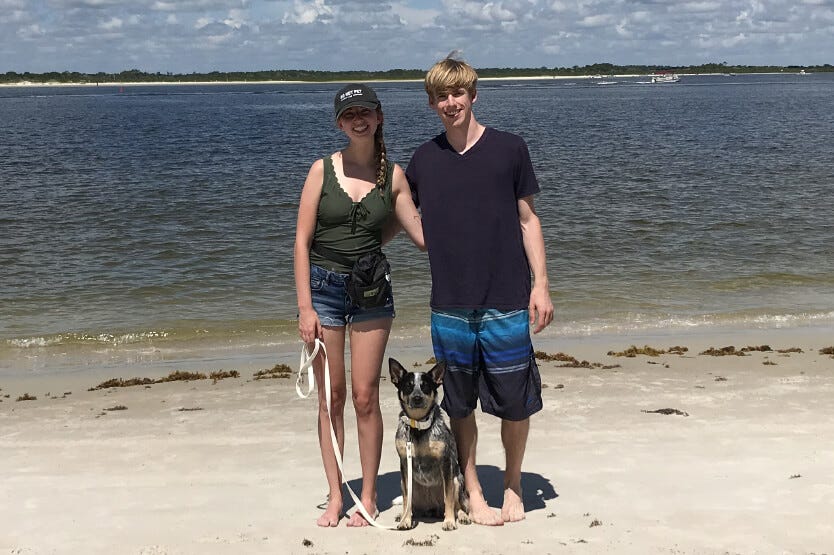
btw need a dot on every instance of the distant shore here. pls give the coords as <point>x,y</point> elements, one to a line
<point>202,83</point>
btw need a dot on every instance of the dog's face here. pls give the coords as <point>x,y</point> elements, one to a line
<point>417,390</point>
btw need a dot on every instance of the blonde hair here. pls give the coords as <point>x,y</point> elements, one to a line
<point>450,73</point>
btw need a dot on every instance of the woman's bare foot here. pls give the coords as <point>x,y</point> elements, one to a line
<point>358,520</point>
<point>481,513</point>
<point>513,509</point>
<point>331,514</point>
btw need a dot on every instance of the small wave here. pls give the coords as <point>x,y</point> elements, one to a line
<point>86,339</point>
<point>632,323</point>
<point>199,331</point>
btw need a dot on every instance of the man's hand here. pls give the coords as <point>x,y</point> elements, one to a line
<point>540,308</point>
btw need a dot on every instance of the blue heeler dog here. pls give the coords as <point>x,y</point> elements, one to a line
<point>438,488</point>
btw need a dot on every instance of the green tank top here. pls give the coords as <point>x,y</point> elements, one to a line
<point>349,228</point>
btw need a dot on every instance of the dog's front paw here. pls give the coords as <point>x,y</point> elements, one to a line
<point>449,525</point>
<point>463,518</point>
<point>405,524</point>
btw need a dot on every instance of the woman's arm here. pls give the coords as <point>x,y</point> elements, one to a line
<point>309,326</point>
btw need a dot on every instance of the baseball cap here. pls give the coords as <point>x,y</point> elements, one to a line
<point>355,95</point>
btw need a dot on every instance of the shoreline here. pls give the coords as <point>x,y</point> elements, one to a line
<point>66,367</point>
<point>689,453</point>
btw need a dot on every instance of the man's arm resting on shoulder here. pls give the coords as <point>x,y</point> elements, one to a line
<point>540,307</point>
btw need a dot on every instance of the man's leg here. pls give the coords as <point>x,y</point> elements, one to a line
<point>514,437</point>
<point>466,435</point>
<point>510,390</point>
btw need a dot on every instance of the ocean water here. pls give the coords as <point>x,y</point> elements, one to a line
<point>153,218</point>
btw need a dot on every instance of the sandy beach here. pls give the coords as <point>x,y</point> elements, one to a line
<point>673,453</point>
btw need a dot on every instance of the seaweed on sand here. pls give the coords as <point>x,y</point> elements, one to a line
<point>633,351</point>
<point>277,371</point>
<point>571,362</point>
<point>723,351</point>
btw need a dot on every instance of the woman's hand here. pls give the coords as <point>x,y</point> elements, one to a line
<point>309,326</point>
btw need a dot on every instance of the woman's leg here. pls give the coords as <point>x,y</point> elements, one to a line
<point>334,341</point>
<point>367,347</point>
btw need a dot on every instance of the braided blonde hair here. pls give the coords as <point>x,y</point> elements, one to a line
<point>382,159</point>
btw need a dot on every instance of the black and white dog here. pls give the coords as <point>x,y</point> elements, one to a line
<point>437,488</point>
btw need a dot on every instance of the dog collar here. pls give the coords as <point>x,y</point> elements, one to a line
<point>417,424</point>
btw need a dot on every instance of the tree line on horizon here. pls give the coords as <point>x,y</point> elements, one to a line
<point>138,76</point>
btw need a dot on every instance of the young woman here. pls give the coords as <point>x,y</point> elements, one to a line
<point>352,202</point>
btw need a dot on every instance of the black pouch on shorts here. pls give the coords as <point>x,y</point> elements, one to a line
<point>369,282</point>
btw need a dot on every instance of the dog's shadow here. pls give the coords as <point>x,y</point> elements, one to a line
<point>536,488</point>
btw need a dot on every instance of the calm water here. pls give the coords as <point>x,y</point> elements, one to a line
<point>160,216</point>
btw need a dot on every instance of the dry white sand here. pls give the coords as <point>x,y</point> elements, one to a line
<point>233,466</point>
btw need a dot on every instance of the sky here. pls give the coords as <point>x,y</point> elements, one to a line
<point>184,36</point>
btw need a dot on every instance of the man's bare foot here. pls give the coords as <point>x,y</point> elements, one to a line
<point>331,515</point>
<point>481,513</point>
<point>358,520</point>
<point>513,509</point>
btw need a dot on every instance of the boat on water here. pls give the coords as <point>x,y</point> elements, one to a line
<point>665,77</point>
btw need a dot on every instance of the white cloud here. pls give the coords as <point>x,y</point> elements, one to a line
<point>111,24</point>
<point>30,31</point>
<point>305,12</point>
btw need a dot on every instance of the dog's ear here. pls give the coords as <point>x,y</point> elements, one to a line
<point>396,371</point>
<point>437,372</point>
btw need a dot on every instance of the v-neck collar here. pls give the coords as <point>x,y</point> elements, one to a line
<point>471,149</point>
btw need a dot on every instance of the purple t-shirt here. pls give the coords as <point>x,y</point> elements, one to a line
<point>469,205</point>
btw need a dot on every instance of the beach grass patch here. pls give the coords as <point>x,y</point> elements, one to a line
<point>277,371</point>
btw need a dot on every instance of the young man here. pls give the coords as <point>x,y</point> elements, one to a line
<point>475,186</point>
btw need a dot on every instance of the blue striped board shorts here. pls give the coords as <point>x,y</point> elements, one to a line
<point>489,357</point>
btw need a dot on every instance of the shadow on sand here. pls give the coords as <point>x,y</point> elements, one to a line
<point>537,489</point>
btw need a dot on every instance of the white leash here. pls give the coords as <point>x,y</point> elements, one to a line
<point>306,362</point>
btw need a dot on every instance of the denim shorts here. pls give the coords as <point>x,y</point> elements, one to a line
<point>331,302</point>
<point>489,358</point>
